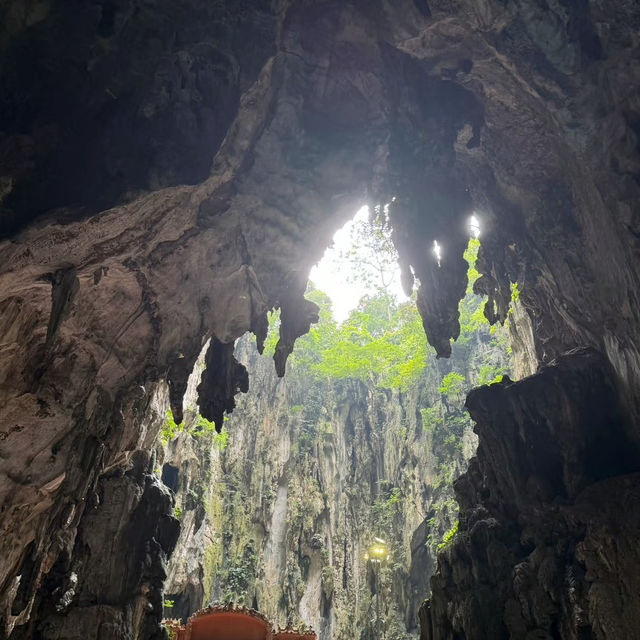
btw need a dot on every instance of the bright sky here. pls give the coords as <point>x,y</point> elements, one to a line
<point>331,273</point>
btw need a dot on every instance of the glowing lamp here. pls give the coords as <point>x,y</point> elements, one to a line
<point>378,551</point>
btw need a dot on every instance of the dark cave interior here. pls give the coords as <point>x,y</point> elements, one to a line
<point>169,173</point>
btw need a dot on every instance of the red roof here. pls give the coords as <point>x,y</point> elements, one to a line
<point>226,622</point>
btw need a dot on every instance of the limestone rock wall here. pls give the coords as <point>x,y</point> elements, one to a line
<point>539,509</point>
<point>231,139</point>
<point>311,473</point>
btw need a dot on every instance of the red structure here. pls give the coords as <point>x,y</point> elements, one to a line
<point>227,622</point>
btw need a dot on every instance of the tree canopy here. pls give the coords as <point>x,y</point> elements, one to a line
<point>382,341</point>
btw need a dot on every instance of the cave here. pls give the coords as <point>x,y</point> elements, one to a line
<point>170,476</point>
<point>169,175</point>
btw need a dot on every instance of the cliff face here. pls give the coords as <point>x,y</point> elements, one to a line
<point>313,470</point>
<point>526,111</point>
<point>539,512</point>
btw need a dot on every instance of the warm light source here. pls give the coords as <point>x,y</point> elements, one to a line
<point>378,550</point>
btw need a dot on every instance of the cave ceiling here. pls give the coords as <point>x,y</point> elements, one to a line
<point>169,172</point>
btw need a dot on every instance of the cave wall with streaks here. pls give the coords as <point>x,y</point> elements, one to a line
<point>168,172</point>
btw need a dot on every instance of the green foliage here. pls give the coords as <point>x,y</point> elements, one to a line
<point>168,604</point>
<point>471,307</point>
<point>204,427</point>
<point>327,580</point>
<point>471,256</point>
<point>445,477</point>
<point>381,342</point>
<point>448,537</point>
<point>170,429</point>
<point>453,384</point>
<point>240,574</point>
<point>177,513</point>
<point>515,292</point>
<point>452,442</point>
<point>237,580</point>
<point>431,418</point>
<point>386,509</point>
<point>201,427</point>
<point>488,374</point>
<point>272,333</point>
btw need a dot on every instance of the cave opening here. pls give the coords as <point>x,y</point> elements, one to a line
<point>354,451</point>
<point>170,172</point>
<point>170,476</point>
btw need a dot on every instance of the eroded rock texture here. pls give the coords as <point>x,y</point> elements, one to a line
<point>279,515</point>
<point>549,514</point>
<point>231,139</point>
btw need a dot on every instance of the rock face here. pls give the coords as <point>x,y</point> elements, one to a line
<point>525,111</point>
<point>280,513</point>
<point>108,100</point>
<point>542,549</point>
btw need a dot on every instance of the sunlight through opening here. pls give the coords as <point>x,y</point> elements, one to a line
<point>360,261</point>
<point>474,226</point>
<point>437,251</point>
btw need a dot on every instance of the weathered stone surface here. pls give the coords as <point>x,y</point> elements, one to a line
<point>312,470</point>
<point>113,577</point>
<point>553,472</point>
<point>223,377</point>
<point>103,101</point>
<point>524,111</point>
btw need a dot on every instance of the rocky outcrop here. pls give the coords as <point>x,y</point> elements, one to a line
<point>112,578</point>
<point>525,111</point>
<point>104,555</point>
<point>542,550</point>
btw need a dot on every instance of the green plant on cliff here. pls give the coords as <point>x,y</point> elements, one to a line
<point>453,385</point>
<point>431,417</point>
<point>386,510</point>
<point>199,427</point>
<point>304,504</point>
<point>448,537</point>
<point>488,374</point>
<point>206,428</point>
<point>515,292</point>
<point>170,429</point>
<point>471,307</point>
<point>239,575</point>
<point>381,342</point>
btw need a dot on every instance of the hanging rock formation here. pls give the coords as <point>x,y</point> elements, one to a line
<point>527,111</point>
<point>279,513</point>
